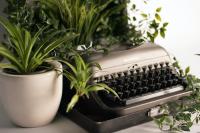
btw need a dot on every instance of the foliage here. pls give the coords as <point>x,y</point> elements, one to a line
<point>79,76</point>
<point>26,52</point>
<point>181,115</point>
<point>82,17</point>
<point>146,29</point>
<point>97,22</point>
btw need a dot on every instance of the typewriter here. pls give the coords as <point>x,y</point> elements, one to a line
<point>143,77</point>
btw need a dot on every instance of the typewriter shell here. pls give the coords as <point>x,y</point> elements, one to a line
<point>124,60</point>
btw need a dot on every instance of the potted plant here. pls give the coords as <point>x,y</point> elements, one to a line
<point>30,79</point>
<point>80,76</point>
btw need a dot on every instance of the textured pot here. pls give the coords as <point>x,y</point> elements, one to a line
<point>31,100</point>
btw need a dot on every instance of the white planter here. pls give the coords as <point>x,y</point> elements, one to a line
<point>31,100</point>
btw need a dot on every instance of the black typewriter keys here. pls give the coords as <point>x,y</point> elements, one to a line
<point>150,67</point>
<point>142,81</point>
<point>156,65</point>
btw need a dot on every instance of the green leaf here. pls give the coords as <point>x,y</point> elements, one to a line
<point>144,15</point>
<point>157,16</point>
<point>165,24</point>
<point>72,103</point>
<point>187,70</point>
<point>159,9</point>
<point>162,33</point>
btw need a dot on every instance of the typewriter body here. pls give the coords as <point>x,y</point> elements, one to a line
<point>143,77</point>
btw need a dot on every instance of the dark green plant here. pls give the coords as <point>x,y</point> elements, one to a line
<point>79,76</point>
<point>181,115</point>
<point>26,52</point>
<point>82,17</point>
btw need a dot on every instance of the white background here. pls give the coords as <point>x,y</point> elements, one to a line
<point>183,32</point>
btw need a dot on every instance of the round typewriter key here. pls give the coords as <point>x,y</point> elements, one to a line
<point>158,86</point>
<point>157,79</point>
<point>126,94</point>
<point>164,84</point>
<point>150,67</point>
<point>125,73</point>
<point>170,82</point>
<point>146,89</point>
<point>138,70</point>
<point>119,88</point>
<point>152,87</point>
<point>114,83</point>
<point>156,65</point>
<point>151,81</point>
<point>139,77</point>
<point>175,81</point>
<point>145,75</point>
<point>138,83</point>
<point>133,92</point>
<point>133,84</point>
<point>168,77</point>
<point>161,64</point>
<point>163,78</point>
<point>151,74</point>
<point>158,72</point>
<point>140,90</point>
<point>144,68</point>
<point>145,82</point>
<point>163,71</point>
<point>167,63</point>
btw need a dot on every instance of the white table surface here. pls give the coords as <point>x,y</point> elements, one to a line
<point>64,125</point>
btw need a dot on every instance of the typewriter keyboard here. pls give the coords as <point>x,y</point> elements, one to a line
<point>142,83</point>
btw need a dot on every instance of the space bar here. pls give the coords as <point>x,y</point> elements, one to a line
<point>152,95</point>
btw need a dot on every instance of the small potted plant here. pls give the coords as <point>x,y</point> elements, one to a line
<point>31,83</point>
<point>80,76</point>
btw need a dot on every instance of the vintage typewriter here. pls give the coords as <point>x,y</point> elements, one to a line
<point>143,77</point>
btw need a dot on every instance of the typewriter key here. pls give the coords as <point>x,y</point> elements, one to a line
<point>175,81</point>
<point>161,64</point>
<point>167,63</point>
<point>151,81</point>
<point>126,94</point>
<point>144,68</point>
<point>150,67</point>
<point>138,83</point>
<point>145,82</point>
<point>156,65</point>
<point>137,70</point>
<point>157,79</point>
<point>133,92</point>
<point>140,90</point>
<point>164,84</point>
<point>152,87</point>
<point>139,77</point>
<point>158,86</point>
<point>146,89</point>
<point>170,83</point>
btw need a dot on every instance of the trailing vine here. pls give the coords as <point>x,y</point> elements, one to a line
<point>182,114</point>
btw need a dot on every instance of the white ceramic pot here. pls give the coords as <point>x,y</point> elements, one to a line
<point>31,100</point>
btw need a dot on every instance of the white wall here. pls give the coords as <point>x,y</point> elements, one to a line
<point>183,33</point>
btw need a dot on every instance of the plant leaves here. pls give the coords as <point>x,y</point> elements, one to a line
<point>157,16</point>
<point>159,9</point>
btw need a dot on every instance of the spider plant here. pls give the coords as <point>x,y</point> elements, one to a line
<point>24,52</point>
<point>81,16</point>
<point>79,76</point>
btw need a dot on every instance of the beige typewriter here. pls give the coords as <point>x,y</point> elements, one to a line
<point>143,77</point>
